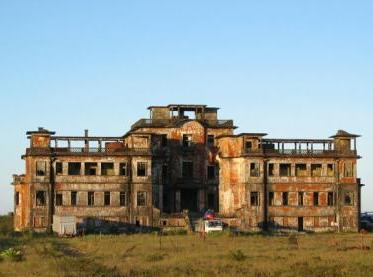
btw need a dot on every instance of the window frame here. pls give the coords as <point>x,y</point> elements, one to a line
<point>254,171</point>
<point>122,196</point>
<point>107,167</point>
<point>189,170</point>
<point>70,169</point>
<point>332,172</point>
<point>316,196</point>
<point>59,199</point>
<point>248,145</point>
<point>330,198</point>
<point>187,140</point>
<point>254,195</point>
<point>123,167</point>
<point>271,170</point>
<point>299,168</point>
<point>288,166</point>
<point>41,202</point>
<point>107,198</point>
<point>41,172</point>
<point>300,198</point>
<point>139,170</point>
<point>314,168</point>
<point>351,196</point>
<point>59,168</point>
<point>17,198</point>
<point>91,198</point>
<point>209,176</point>
<point>271,198</point>
<point>143,200</point>
<point>73,198</point>
<point>210,140</point>
<point>285,198</point>
<point>164,140</point>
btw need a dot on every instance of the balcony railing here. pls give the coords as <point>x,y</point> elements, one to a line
<point>301,152</point>
<point>101,150</point>
<point>142,123</point>
<point>90,150</point>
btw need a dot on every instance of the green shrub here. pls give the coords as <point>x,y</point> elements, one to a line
<point>224,233</point>
<point>6,224</point>
<point>12,254</point>
<point>174,232</point>
<point>237,255</point>
<point>155,257</point>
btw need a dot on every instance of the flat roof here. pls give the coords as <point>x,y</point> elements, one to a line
<point>185,106</point>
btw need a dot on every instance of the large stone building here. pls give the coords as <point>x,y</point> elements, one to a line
<point>184,158</point>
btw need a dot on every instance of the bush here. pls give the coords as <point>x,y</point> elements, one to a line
<point>224,233</point>
<point>6,224</point>
<point>12,254</point>
<point>237,255</point>
<point>155,257</point>
<point>174,232</point>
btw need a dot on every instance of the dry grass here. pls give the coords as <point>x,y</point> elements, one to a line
<point>143,255</point>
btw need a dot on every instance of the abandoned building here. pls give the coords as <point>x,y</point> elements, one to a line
<point>184,158</point>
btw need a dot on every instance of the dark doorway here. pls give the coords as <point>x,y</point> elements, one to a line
<point>166,202</point>
<point>300,224</point>
<point>211,201</point>
<point>189,199</point>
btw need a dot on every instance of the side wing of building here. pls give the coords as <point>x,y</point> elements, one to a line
<point>304,185</point>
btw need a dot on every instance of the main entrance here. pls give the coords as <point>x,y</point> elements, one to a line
<point>189,199</point>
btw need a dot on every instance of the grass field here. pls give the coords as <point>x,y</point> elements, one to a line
<point>187,255</point>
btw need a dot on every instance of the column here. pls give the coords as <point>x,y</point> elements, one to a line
<point>201,199</point>
<point>177,200</point>
<point>160,197</point>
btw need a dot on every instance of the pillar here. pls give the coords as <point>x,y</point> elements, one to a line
<point>177,200</point>
<point>201,199</point>
<point>160,198</point>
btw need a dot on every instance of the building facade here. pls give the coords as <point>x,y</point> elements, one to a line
<point>184,158</point>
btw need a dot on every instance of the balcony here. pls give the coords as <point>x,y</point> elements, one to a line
<point>301,152</point>
<point>88,151</point>
<point>144,123</point>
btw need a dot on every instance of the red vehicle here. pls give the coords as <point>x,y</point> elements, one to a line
<point>209,215</point>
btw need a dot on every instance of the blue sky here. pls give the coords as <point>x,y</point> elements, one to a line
<point>288,68</point>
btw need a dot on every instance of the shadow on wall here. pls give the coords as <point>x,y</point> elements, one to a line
<point>101,226</point>
<point>186,166</point>
<point>276,227</point>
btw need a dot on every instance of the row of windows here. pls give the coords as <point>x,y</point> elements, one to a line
<point>255,199</point>
<point>187,140</point>
<point>107,169</point>
<point>91,169</point>
<point>188,168</point>
<point>41,198</point>
<point>301,170</point>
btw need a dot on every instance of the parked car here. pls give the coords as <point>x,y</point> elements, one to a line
<point>215,225</point>
<point>208,226</point>
<point>366,221</point>
<point>209,215</point>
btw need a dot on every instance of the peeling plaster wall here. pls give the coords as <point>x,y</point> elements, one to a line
<point>241,173</point>
<point>236,184</point>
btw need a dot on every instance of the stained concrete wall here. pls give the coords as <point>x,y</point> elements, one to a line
<point>236,185</point>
